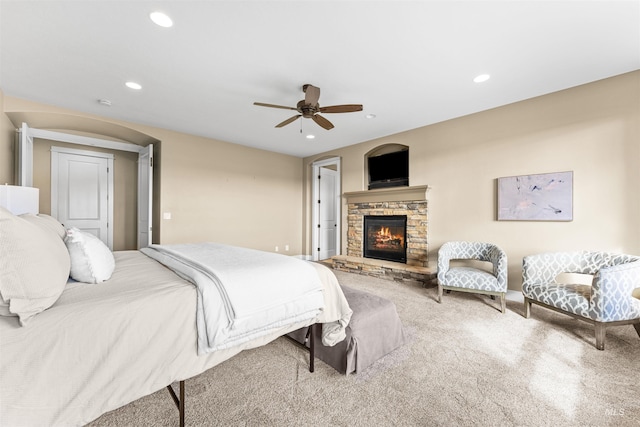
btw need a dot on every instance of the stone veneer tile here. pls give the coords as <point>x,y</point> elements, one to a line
<point>416,212</point>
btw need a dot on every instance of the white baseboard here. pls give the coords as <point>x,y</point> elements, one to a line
<point>515,296</point>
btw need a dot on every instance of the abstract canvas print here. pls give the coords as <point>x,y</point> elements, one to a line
<point>541,197</point>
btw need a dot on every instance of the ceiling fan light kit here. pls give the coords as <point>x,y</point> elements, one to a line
<point>309,108</point>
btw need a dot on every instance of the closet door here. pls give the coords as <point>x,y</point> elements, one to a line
<point>145,195</point>
<point>82,191</point>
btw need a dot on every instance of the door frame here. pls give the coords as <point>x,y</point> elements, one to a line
<point>54,183</point>
<point>315,209</point>
<point>27,135</point>
<point>24,166</point>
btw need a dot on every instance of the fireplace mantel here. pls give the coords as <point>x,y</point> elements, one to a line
<point>395,194</point>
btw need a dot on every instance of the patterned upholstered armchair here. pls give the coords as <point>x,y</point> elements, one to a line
<point>608,301</point>
<point>471,279</point>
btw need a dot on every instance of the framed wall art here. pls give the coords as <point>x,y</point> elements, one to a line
<point>540,197</point>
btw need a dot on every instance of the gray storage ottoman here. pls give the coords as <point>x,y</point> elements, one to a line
<point>374,331</point>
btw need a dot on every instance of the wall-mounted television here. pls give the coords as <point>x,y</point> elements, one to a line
<point>389,170</point>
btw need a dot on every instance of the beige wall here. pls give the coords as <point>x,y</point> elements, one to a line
<point>592,130</point>
<point>7,138</point>
<point>230,194</point>
<point>214,190</point>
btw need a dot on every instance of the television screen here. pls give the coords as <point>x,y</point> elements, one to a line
<point>388,170</point>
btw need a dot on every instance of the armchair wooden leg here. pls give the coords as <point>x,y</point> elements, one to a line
<point>439,293</point>
<point>527,308</point>
<point>601,332</point>
<point>503,303</point>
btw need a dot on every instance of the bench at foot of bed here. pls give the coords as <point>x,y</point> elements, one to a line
<point>374,331</point>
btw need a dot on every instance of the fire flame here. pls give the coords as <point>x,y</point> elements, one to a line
<point>385,235</point>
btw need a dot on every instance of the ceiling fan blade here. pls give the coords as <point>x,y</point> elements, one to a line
<point>311,95</point>
<point>262,104</point>
<point>347,108</point>
<point>289,120</point>
<point>322,121</point>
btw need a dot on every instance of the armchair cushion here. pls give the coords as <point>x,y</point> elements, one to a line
<point>567,297</point>
<point>472,278</point>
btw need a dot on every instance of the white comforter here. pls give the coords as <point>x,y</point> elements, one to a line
<point>244,293</point>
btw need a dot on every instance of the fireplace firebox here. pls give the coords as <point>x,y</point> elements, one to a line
<point>385,237</point>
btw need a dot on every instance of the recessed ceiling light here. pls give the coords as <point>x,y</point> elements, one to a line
<point>370,116</point>
<point>161,19</point>
<point>133,85</point>
<point>482,78</point>
<point>310,136</point>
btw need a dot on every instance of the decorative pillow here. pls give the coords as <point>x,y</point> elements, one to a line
<point>91,259</point>
<point>34,266</point>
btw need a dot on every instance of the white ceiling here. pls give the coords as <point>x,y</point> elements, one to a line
<point>411,63</point>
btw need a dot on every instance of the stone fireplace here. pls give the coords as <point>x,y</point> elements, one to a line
<point>406,201</point>
<point>410,202</point>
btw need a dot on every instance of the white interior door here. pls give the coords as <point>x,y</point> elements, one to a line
<point>327,219</point>
<point>145,195</point>
<point>82,191</point>
<point>326,210</point>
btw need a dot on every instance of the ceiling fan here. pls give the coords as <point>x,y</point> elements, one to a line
<point>309,108</point>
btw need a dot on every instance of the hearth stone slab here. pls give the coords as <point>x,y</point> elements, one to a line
<point>383,269</point>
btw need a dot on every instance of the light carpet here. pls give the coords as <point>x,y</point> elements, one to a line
<point>466,364</point>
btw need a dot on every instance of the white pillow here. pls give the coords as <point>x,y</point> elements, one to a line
<point>91,259</point>
<point>34,266</point>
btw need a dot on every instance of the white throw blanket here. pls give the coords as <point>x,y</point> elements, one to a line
<point>243,293</point>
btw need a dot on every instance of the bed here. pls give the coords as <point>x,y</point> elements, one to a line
<point>101,346</point>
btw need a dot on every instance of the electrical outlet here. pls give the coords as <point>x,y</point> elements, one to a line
<point>277,249</point>
<point>286,248</point>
